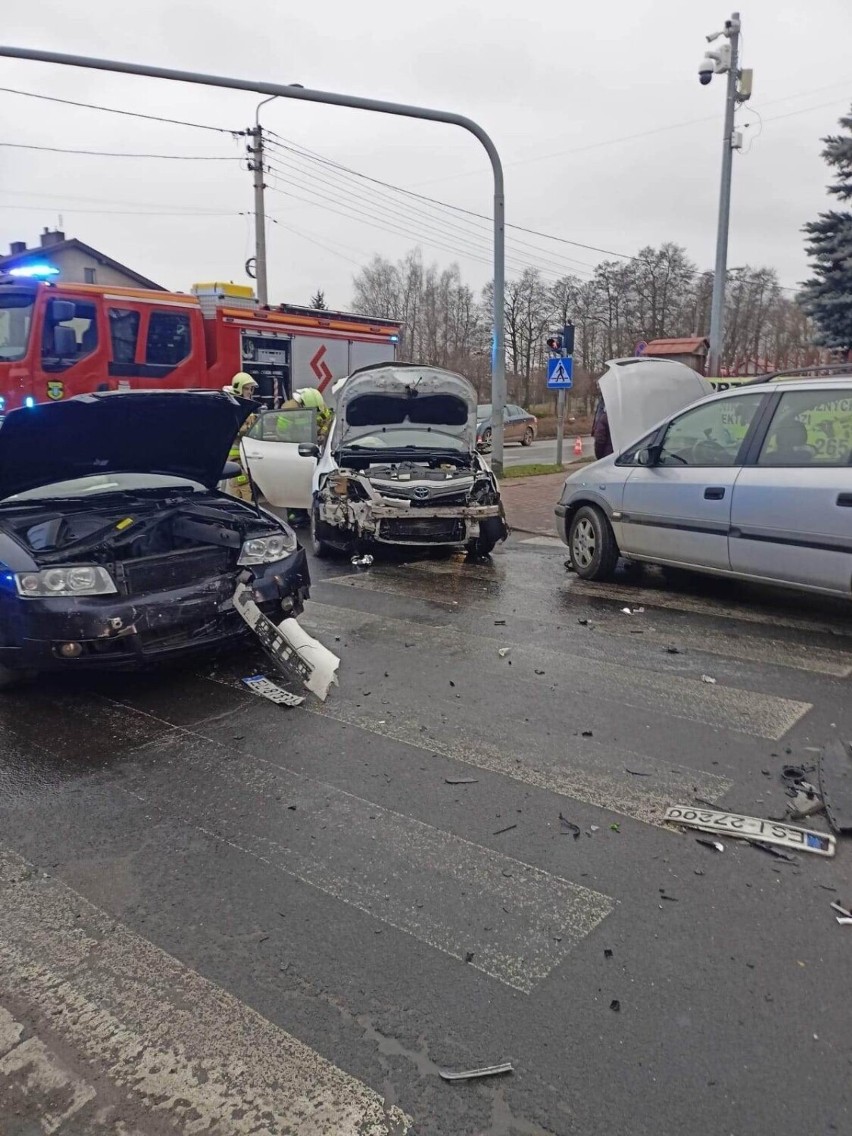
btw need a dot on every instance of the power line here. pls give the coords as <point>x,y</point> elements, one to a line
<point>447,227</point>
<point>122,153</point>
<point>125,212</point>
<point>118,110</point>
<point>293,147</point>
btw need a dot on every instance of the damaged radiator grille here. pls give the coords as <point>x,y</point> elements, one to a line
<point>431,530</point>
<point>175,570</point>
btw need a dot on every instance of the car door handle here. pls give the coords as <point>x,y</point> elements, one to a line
<point>844,500</point>
<point>714,493</point>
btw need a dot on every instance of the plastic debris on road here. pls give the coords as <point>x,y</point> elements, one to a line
<point>363,561</point>
<point>260,684</point>
<point>298,654</point>
<point>835,782</point>
<point>472,1074</point>
<point>568,827</point>
<point>708,678</point>
<point>503,651</point>
<point>716,845</point>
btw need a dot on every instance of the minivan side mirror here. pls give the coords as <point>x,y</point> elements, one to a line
<point>649,455</point>
<point>308,450</point>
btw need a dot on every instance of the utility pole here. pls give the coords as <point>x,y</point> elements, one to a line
<point>255,165</point>
<point>723,61</point>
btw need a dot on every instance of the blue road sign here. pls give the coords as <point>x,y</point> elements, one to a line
<point>560,373</point>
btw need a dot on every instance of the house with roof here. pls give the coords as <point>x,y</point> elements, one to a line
<point>77,262</point>
<point>691,350</point>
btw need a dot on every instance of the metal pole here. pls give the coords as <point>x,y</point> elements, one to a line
<point>498,359</point>
<point>560,424</point>
<point>717,307</point>
<point>256,151</point>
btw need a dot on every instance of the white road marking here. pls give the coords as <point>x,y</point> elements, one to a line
<point>518,921</point>
<point>30,1074</point>
<point>718,609</point>
<point>182,1046</point>
<point>743,711</point>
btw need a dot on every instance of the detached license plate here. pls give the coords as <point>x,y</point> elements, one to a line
<point>752,828</point>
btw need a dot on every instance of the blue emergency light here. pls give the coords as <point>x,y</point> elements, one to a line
<point>38,270</point>
<point>29,402</point>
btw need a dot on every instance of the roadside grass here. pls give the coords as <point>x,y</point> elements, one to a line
<point>536,469</point>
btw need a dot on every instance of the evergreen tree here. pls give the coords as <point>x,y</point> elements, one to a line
<point>318,300</point>
<point>827,297</point>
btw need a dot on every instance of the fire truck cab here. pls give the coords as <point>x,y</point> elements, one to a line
<point>58,340</point>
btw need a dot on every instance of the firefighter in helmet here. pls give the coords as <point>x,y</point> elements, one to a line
<point>242,386</point>
<point>307,398</point>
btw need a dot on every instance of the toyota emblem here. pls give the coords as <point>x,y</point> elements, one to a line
<point>421,492</point>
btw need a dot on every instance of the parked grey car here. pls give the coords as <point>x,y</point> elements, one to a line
<point>754,482</point>
<point>518,425</point>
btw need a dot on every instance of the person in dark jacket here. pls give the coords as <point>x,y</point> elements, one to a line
<point>600,431</point>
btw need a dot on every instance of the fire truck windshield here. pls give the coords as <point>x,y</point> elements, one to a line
<point>16,317</point>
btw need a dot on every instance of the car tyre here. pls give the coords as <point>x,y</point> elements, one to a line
<point>321,549</point>
<point>591,541</point>
<point>529,436</point>
<point>486,438</point>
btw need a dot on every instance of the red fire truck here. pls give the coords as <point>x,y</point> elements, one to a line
<point>58,340</point>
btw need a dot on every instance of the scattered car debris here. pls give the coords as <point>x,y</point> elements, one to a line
<point>844,911</point>
<point>771,850</point>
<point>835,782</point>
<point>672,650</point>
<point>637,772</point>
<point>568,827</point>
<point>583,622</point>
<point>844,922</point>
<point>499,622</point>
<point>362,561</point>
<point>670,898</point>
<point>752,828</point>
<point>472,1074</point>
<point>298,654</point>
<point>468,956</point>
<point>594,828</point>
<point>716,845</point>
<point>615,1005</point>
<point>462,780</point>
<point>608,952</point>
<point>539,672</point>
<point>588,734</point>
<point>503,651</point>
<point>708,679</point>
<point>508,828</point>
<point>627,611</point>
<point>260,684</point>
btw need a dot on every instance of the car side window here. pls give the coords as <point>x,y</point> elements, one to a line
<point>711,434</point>
<point>809,428</point>
<point>286,426</point>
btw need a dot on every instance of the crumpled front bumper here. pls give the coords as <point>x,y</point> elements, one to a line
<point>127,632</point>
<point>389,523</point>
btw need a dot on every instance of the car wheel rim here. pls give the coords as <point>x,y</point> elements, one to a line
<point>584,544</point>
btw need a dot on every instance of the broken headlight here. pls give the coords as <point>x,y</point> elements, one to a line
<point>267,549</point>
<point>77,580</point>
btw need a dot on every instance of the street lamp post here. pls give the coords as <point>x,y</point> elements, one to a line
<point>723,61</point>
<point>498,358</point>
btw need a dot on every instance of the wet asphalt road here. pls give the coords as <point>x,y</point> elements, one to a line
<point>219,915</point>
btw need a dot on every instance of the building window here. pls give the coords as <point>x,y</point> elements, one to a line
<point>124,332</point>
<point>169,338</point>
<point>89,275</point>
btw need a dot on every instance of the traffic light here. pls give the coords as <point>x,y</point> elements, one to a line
<point>554,343</point>
<point>568,339</point>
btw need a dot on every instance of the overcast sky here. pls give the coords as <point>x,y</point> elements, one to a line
<point>607,137</point>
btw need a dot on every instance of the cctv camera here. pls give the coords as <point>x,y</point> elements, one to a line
<point>705,70</point>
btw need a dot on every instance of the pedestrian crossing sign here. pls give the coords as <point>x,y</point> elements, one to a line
<point>560,373</point>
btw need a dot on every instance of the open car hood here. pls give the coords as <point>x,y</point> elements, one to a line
<point>182,433</point>
<point>639,393</point>
<point>406,395</point>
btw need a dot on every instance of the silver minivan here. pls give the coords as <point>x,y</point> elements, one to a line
<point>754,482</point>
